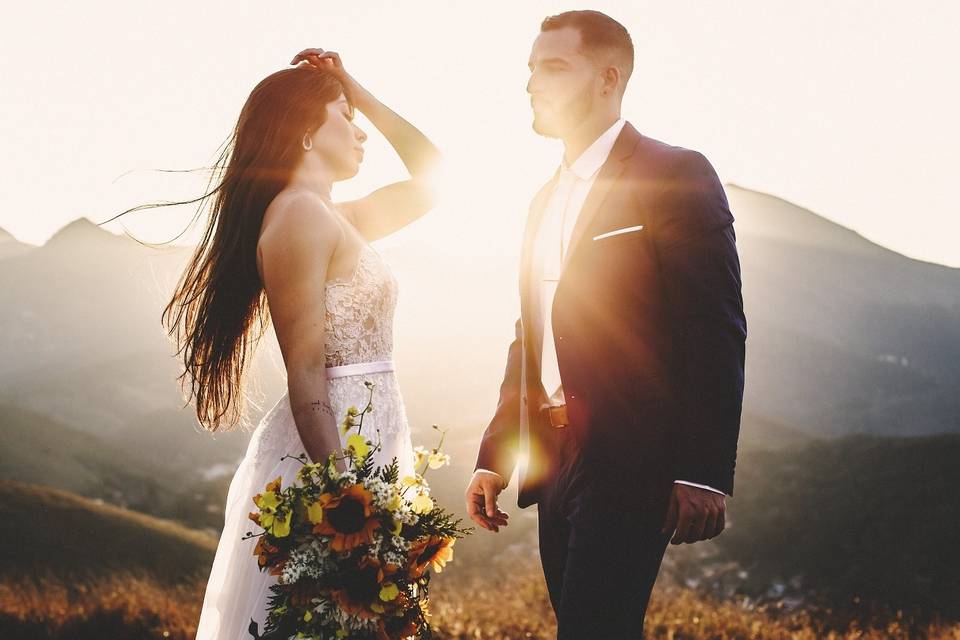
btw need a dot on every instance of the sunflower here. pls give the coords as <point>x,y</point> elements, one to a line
<point>360,590</point>
<point>432,551</point>
<point>346,517</point>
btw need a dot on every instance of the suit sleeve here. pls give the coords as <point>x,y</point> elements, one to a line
<point>501,439</point>
<point>700,269</point>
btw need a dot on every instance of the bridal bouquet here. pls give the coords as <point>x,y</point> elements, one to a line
<point>352,550</point>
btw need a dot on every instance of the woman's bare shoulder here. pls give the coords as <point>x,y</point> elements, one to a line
<point>297,214</point>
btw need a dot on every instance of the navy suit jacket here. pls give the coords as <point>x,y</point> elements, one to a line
<point>649,331</point>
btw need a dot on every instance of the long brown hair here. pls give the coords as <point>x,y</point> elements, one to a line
<point>218,314</point>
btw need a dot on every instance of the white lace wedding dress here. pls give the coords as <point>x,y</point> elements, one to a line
<point>359,337</point>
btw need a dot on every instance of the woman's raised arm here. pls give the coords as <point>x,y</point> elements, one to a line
<point>396,205</point>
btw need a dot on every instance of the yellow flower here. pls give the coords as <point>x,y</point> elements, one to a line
<point>389,591</point>
<point>315,512</point>
<point>397,527</point>
<point>349,421</point>
<point>272,524</point>
<point>413,481</point>
<point>421,455</point>
<point>438,459</point>
<point>281,526</point>
<point>422,503</point>
<point>434,458</point>
<point>307,470</point>
<point>358,444</point>
<point>394,505</point>
<point>307,616</point>
<point>267,501</point>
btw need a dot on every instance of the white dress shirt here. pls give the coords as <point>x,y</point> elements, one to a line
<point>552,242</point>
<point>553,238</point>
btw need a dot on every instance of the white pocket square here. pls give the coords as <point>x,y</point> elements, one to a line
<point>617,232</point>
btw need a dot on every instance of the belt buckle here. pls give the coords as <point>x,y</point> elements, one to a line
<point>558,416</point>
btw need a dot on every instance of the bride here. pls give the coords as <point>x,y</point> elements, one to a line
<point>277,248</point>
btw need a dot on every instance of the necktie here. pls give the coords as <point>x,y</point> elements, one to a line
<point>551,260</point>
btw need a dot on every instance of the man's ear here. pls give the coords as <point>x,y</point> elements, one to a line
<point>611,81</point>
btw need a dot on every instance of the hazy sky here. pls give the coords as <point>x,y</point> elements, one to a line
<point>847,108</point>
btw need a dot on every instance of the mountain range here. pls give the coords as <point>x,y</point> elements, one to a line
<point>844,337</point>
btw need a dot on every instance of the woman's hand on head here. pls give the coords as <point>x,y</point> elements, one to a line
<point>329,61</point>
<point>326,60</point>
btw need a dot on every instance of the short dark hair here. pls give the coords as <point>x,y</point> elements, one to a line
<point>599,33</point>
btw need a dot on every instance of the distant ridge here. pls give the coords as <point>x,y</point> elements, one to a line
<point>10,246</point>
<point>80,230</point>
<point>789,222</point>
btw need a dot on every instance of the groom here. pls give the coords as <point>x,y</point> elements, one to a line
<point>622,394</point>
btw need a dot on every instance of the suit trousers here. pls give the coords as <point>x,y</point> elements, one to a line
<point>600,557</point>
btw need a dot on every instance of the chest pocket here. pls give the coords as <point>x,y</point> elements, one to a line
<point>617,233</point>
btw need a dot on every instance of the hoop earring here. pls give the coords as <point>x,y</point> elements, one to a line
<point>307,142</point>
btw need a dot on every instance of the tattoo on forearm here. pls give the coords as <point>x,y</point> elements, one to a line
<point>323,406</point>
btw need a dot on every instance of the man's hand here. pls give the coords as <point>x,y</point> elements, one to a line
<point>695,513</point>
<point>481,498</point>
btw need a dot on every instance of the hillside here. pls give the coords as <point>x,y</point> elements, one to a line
<point>37,449</point>
<point>844,336</point>
<point>154,475</point>
<point>875,519</point>
<point>48,531</point>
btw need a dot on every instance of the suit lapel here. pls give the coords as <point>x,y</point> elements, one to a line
<point>616,162</point>
<point>530,313</point>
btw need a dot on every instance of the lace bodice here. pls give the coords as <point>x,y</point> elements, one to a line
<point>359,318</point>
<point>359,328</point>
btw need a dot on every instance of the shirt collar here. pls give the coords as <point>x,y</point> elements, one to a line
<point>593,157</point>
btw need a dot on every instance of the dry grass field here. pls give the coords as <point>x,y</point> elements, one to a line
<point>127,607</point>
